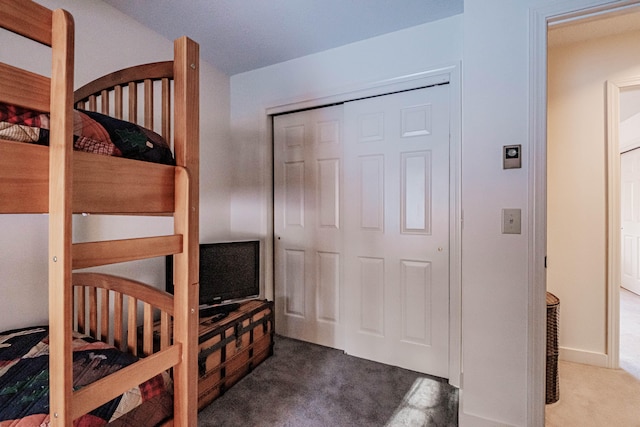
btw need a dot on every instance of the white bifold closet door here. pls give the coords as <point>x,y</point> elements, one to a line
<point>380,290</point>
<point>307,225</point>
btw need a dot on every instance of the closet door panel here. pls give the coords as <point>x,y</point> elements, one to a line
<point>308,225</point>
<point>396,229</point>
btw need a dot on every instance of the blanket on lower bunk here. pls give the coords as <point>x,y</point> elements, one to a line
<point>24,382</point>
<point>92,132</point>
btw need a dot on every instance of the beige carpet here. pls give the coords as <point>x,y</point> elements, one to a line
<point>600,397</point>
<point>630,332</point>
<point>592,396</point>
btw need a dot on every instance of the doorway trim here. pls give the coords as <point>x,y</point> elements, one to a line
<point>439,74</point>
<point>540,19</point>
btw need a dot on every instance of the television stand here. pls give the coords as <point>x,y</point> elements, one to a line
<point>218,311</point>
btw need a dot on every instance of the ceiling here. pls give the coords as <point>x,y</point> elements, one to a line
<point>242,35</point>
<point>624,20</point>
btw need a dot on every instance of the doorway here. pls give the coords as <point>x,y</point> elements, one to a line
<point>583,225</point>
<point>542,18</point>
<point>625,116</point>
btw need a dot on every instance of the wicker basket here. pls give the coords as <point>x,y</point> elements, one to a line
<point>552,384</point>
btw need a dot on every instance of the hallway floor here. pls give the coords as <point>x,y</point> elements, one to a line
<point>630,332</point>
<point>593,396</point>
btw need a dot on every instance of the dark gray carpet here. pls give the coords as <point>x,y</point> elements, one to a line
<point>306,385</point>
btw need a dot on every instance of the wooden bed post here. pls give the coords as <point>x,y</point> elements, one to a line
<point>60,186</point>
<point>186,220</point>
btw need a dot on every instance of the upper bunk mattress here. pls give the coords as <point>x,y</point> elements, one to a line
<point>24,382</point>
<point>92,132</point>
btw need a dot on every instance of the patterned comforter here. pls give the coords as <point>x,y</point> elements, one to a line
<point>24,383</point>
<point>92,132</point>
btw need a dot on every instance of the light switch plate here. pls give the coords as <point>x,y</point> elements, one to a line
<point>511,221</point>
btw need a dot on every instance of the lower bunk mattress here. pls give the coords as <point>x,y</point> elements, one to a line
<point>24,382</point>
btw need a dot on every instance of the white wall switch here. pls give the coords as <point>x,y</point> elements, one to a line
<point>511,221</point>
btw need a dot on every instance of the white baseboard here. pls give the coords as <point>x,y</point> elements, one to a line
<point>583,356</point>
<point>468,420</point>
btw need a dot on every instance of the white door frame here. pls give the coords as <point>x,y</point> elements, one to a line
<point>539,20</point>
<point>447,73</point>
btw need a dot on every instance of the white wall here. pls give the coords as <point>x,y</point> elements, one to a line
<point>503,75</point>
<point>106,40</point>
<point>577,223</point>
<point>494,266</point>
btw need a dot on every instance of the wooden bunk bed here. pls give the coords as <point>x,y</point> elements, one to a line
<point>59,181</point>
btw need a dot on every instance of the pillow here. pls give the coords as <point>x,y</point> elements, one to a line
<point>92,132</point>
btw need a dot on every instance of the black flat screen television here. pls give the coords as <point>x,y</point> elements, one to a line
<point>229,272</point>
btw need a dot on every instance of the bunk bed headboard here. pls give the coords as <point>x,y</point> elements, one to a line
<point>107,95</point>
<point>97,94</point>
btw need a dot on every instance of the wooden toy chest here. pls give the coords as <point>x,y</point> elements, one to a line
<point>231,347</point>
